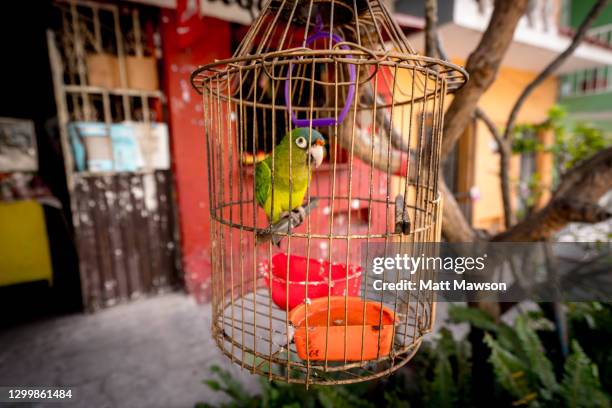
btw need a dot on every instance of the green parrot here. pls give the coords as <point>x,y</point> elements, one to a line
<point>307,145</point>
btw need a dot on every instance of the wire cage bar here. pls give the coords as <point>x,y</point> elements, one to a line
<point>294,300</point>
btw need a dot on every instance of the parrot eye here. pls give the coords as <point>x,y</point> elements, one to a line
<point>301,142</point>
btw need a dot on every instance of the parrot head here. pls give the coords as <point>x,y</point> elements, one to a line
<point>307,145</point>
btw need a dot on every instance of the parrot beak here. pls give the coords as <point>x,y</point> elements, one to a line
<point>317,153</point>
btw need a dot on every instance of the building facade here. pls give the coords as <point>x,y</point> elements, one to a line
<point>587,93</point>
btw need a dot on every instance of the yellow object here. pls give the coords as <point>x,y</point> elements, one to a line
<point>24,249</point>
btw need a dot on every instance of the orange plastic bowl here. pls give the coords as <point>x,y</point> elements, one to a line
<point>358,339</point>
<point>319,284</point>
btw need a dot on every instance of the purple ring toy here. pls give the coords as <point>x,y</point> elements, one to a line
<point>319,122</point>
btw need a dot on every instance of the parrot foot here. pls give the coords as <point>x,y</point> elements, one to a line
<point>298,216</point>
<point>287,221</point>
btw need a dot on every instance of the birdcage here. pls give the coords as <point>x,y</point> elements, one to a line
<point>292,293</point>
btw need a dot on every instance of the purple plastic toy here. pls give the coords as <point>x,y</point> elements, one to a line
<point>320,122</point>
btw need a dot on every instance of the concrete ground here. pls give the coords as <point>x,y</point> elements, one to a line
<point>150,353</point>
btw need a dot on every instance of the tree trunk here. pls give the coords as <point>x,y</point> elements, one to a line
<point>504,149</point>
<point>455,227</point>
<point>482,65</point>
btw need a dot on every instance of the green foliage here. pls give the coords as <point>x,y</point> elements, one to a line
<point>475,317</point>
<point>232,388</point>
<point>535,188</point>
<point>481,320</point>
<point>523,369</point>
<point>280,395</point>
<point>591,325</point>
<point>510,371</point>
<point>438,376</point>
<point>581,386</point>
<point>340,397</point>
<point>524,142</point>
<point>539,365</point>
<point>573,143</point>
<point>517,357</point>
<point>443,387</point>
<point>557,115</point>
<point>580,143</point>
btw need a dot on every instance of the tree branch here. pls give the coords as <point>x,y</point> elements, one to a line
<point>574,200</point>
<point>552,67</point>
<point>431,29</point>
<point>374,149</point>
<point>455,227</point>
<point>482,65</point>
<point>504,149</point>
<point>480,114</point>
<point>589,179</point>
<point>383,120</point>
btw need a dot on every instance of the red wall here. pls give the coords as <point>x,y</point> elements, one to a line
<point>187,139</point>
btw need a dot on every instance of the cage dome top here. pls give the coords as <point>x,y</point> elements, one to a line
<point>362,30</point>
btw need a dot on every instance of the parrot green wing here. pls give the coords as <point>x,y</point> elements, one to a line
<point>263,182</point>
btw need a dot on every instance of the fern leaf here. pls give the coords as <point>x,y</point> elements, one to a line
<point>475,317</point>
<point>212,384</point>
<point>480,319</point>
<point>539,364</point>
<point>509,370</point>
<point>443,389</point>
<point>581,387</point>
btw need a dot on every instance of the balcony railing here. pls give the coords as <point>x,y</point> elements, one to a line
<point>586,82</point>
<point>601,35</point>
<point>541,15</point>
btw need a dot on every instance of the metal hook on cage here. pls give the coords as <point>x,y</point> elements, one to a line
<point>329,121</point>
<point>402,220</point>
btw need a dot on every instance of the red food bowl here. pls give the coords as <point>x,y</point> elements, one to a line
<point>319,284</point>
